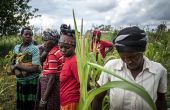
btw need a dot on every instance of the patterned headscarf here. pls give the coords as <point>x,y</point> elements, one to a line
<point>68,38</point>
<point>96,33</point>
<point>51,35</point>
<point>131,39</point>
<point>64,28</point>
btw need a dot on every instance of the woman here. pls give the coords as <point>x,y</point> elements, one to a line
<point>64,28</point>
<point>48,93</point>
<point>26,68</point>
<point>100,46</point>
<point>69,81</point>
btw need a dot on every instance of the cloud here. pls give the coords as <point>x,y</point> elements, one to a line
<point>160,10</point>
<point>101,6</point>
<point>114,12</point>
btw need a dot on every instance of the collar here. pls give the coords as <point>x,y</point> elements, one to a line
<point>147,65</point>
<point>70,57</point>
<point>26,47</point>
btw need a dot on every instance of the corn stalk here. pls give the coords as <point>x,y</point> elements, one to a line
<point>85,63</point>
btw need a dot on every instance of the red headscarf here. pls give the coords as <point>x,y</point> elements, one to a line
<point>96,33</point>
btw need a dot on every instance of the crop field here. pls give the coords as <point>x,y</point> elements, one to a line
<point>158,49</point>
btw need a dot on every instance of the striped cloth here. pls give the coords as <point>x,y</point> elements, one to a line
<point>52,65</point>
<point>53,62</point>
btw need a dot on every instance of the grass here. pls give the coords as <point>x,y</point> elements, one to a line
<point>7,92</point>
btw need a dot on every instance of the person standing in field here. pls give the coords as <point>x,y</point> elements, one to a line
<point>69,80</point>
<point>43,51</point>
<point>49,85</point>
<point>135,67</point>
<point>64,28</point>
<point>100,46</point>
<point>25,65</point>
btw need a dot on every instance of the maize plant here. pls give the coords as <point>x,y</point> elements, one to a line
<point>85,63</point>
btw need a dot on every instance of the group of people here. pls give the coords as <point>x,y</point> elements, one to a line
<point>56,86</point>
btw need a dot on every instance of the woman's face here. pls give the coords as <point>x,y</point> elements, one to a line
<point>133,60</point>
<point>27,36</point>
<point>48,45</point>
<point>67,50</point>
<point>66,46</point>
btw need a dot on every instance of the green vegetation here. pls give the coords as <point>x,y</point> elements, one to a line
<point>86,61</point>
<point>7,92</point>
<point>158,50</point>
<point>14,15</point>
<point>8,83</point>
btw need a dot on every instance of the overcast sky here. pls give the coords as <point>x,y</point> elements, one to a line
<point>114,12</point>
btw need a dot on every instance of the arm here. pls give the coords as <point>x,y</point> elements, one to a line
<point>162,89</point>
<point>97,101</point>
<point>53,77</point>
<point>50,84</point>
<point>161,102</point>
<point>43,57</point>
<point>14,71</point>
<point>109,49</point>
<point>44,98</point>
<point>33,68</point>
<point>74,70</point>
<point>35,63</point>
<point>108,45</point>
<point>91,45</point>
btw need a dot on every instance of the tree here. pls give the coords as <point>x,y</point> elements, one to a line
<point>161,27</point>
<point>15,14</point>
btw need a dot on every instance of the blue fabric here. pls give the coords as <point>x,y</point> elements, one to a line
<point>27,86</point>
<point>31,49</point>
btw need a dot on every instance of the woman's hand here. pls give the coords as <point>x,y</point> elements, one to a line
<point>42,105</point>
<point>18,73</point>
<point>12,68</point>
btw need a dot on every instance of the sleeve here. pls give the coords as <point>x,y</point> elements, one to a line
<point>162,88</point>
<point>53,64</point>
<point>16,49</point>
<point>107,44</point>
<point>35,56</point>
<point>74,70</point>
<point>104,77</point>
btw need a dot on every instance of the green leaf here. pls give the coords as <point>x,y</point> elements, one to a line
<point>121,85</point>
<point>84,66</point>
<point>131,86</point>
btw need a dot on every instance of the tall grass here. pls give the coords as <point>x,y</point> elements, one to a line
<point>7,43</point>
<point>7,92</point>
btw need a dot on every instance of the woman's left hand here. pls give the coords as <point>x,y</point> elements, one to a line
<point>42,106</point>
